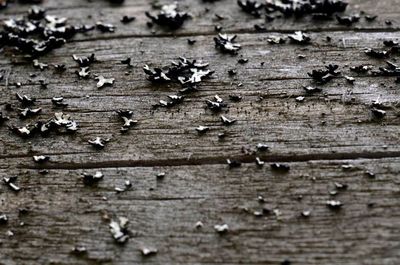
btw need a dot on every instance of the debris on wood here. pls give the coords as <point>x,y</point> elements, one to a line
<point>90,179</point>
<point>169,16</point>
<point>10,182</point>
<point>223,228</point>
<point>226,43</point>
<point>99,142</point>
<point>147,251</point>
<point>102,81</point>
<point>280,167</point>
<point>119,230</point>
<point>334,204</point>
<point>41,158</point>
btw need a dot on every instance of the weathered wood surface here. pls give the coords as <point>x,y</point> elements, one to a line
<point>277,119</point>
<point>64,213</point>
<point>198,185</point>
<point>203,22</point>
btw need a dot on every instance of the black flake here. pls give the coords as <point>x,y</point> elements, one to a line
<point>169,16</point>
<point>227,121</point>
<point>233,163</point>
<point>98,142</point>
<point>10,182</point>
<point>102,81</point>
<point>347,20</point>
<point>251,7</point>
<point>280,167</point>
<point>119,230</point>
<point>235,98</point>
<point>259,162</point>
<point>104,27</point>
<point>312,90</point>
<point>84,72</point>
<point>39,65</point>
<point>332,204</point>
<point>226,43</point>
<point>191,41</point>
<point>323,76</point>
<point>41,159</point>
<point>370,18</point>
<point>58,102</point>
<point>3,219</point>
<point>148,251</point>
<point>127,61</point>
<point>28,112</point>
<point>376,53</point>
<point>25,100</point>
<point>127,19</point>
<point>275,40</point>
<point>91,179</point>
<point>378,113</point>
<point>299,38</point>
<point>84,61</point>
<point>306,7</point>
<point>79,250</point>
<point>202,129</point>
<point>262,147</point>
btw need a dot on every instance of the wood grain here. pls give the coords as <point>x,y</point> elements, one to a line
<point>63,212</point>
<point>315,137</point>
<point>268,112</point>
<point>203,22</point>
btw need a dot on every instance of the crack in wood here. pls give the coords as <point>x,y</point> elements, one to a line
<point>237,31</point>
<point>216,160</point>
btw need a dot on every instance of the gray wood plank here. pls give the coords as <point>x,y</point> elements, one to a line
<point>64,213</point>
<point>203,23</point>
<point>316,138</point>
<point>290,128</point>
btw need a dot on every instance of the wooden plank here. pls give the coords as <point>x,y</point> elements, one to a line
<point>254,47</point>
<point>64,213</point>
<point>291,129</point>
<point>316,138</point>
<point>203,23</point>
